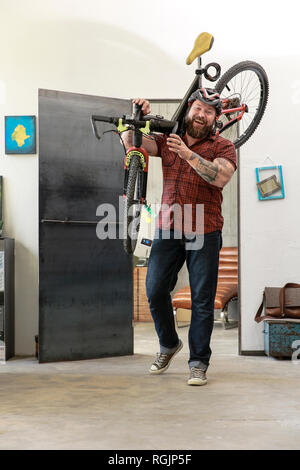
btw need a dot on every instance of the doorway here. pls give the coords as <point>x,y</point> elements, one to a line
<point>230,235</point>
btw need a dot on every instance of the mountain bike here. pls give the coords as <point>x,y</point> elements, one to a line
<point>244,91</point>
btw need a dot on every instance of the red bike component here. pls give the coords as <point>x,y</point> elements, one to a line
<point>243,108</point>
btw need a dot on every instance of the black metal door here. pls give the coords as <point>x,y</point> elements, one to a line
<point>85,284</point>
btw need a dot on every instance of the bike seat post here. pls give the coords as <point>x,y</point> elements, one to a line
<point>200,75</point>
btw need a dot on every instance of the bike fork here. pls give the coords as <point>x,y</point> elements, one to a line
<point>143,159</point>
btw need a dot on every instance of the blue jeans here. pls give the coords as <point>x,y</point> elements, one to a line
<point>166,259</point>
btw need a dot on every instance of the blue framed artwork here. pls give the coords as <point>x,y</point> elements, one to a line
<point>270,185</point>
<point>20,135</point>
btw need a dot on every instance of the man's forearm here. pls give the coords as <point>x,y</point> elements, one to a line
<point>212,172</point>
<point>148,144</point>
<point>207,170</point>
<point>127,139</point>
<point>217,173</point>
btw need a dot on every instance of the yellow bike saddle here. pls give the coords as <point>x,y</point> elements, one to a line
<point>202,44</point>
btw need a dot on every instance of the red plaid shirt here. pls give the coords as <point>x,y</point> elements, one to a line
<point>183,185</point>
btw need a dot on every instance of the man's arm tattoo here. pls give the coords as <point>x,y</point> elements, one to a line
<point>206,169</point>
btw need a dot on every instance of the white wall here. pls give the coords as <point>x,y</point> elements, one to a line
<point>270,230</point>
<point>89,47</point>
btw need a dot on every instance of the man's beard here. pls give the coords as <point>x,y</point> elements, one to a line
<point>197,133</point>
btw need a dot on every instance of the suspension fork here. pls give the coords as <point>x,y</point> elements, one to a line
<point>144,161</point>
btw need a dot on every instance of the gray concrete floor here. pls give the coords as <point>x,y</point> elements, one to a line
<point>113,403</point>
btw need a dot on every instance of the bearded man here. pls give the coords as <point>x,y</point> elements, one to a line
<point>195,168</point>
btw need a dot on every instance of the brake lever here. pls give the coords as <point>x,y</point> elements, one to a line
<point>95,130</point>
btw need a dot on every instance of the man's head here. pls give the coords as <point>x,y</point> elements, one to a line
<point>205,106</point>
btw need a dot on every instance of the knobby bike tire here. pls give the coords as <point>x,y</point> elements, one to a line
<point>129,242</point>
<point>264,94</point>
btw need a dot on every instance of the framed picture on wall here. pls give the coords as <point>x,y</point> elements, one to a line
<point>20,135</point>
<point>269,182</point>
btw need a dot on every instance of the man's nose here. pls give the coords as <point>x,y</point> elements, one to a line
<point>200,114</point>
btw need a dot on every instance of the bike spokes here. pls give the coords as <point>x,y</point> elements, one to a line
<point>244,84</point>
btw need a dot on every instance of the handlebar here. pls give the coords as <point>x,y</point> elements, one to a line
<point>156,123</point>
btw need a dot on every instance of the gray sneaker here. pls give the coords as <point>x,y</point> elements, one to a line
<point>163,361</point>
<point>197,377</point>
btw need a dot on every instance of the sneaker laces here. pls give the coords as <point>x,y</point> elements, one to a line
<point>197,373</point>
<point>161,358</point>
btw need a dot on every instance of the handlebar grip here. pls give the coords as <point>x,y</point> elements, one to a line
<point>108,119</point>
<point>104,119</point>
<point>163,125</point>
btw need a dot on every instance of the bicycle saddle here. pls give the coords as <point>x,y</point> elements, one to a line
<point>202,44</point>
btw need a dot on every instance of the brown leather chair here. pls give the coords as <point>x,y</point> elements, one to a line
<point>227,288</point>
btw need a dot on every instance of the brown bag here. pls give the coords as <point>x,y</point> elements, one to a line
<point>280,302</point>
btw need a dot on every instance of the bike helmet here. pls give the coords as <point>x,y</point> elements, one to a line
<point>207,96</point>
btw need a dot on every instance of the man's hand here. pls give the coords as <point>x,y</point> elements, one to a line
<point>144,103</point>
<point>148,143</point>
<point>176,144</point>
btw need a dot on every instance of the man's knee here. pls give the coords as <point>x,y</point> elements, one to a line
<point>203,306</point>
<point>154,289</point>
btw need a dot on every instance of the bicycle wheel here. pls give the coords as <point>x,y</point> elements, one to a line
<point>133,206</point>
<point>248,82</point>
